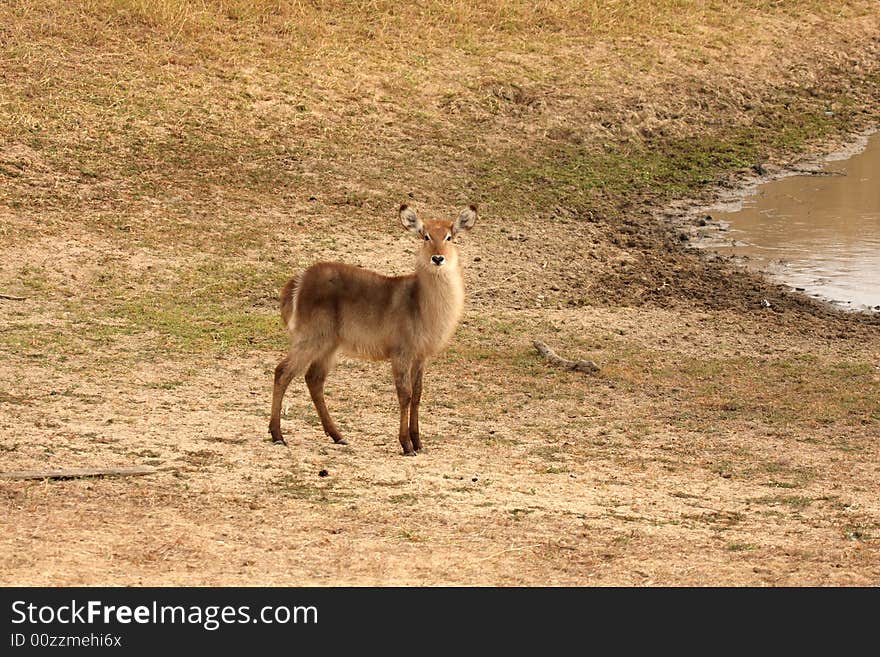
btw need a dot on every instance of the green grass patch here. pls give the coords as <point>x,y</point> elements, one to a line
<point>586,177</point>
<point>795,501</point>
<point>294,486</point>
<point>741,547</point>
<point>774,392</point>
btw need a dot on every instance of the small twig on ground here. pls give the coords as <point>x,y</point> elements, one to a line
<point>554,359</point>
<point>79,473</point>
<point>12,297</point>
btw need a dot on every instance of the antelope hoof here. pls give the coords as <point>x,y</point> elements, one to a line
<point>279,441</point>
<point>409,453</point>
<point>340,441</point>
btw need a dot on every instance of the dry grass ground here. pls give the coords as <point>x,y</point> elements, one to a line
<point>165,166</point>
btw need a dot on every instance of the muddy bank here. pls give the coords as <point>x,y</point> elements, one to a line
<point>817,231</point>
<point>716,279</point>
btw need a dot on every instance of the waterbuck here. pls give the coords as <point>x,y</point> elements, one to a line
<point>333,308</point>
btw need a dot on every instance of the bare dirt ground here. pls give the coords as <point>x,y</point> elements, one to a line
<point>163,173</point>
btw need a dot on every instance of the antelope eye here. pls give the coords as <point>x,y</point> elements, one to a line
<point>448,237</point>
<point>427,237</point>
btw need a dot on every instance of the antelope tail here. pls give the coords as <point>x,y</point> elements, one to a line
<point>288,299</point>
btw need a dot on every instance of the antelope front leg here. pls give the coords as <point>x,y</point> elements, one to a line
<point>417,369</point>
<point>403,383</point>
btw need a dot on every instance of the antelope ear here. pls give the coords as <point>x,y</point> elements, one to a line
<point>465,220</point>
<point>409,219</point>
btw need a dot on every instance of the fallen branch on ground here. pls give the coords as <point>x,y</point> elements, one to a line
<point>12,297</point>
<point>554,359</point>
<point>78,473</point>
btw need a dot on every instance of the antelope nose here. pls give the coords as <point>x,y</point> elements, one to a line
<point>437,260</point>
